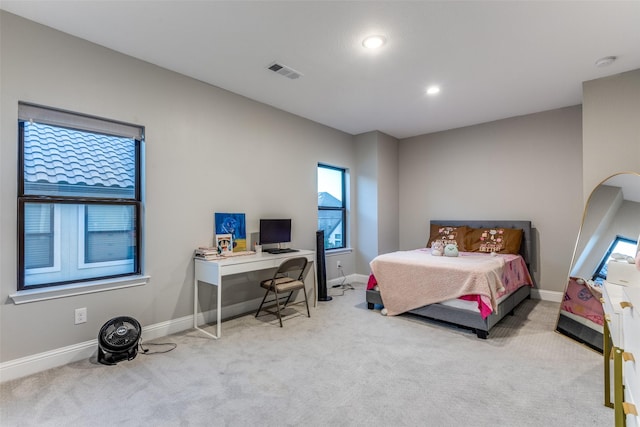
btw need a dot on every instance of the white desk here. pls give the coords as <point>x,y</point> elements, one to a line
<point>211,272</point>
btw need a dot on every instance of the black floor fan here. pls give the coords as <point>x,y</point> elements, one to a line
<point>118,340</point>
<point>321,267</point>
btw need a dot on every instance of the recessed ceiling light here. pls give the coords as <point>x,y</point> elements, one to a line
<point>432,90</point>
<point>374,42</point>
<point>606,61</point>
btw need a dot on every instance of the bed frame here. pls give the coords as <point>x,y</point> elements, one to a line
<point>580,332</point>
<point>468,319</point>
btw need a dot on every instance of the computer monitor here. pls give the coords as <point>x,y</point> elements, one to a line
<point>275,231</point>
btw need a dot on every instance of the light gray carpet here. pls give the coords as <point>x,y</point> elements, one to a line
<point>345,366</point>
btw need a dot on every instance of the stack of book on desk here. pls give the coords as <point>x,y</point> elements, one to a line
<point>206,253</point>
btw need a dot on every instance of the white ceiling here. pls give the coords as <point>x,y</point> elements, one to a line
<point>492,59</point>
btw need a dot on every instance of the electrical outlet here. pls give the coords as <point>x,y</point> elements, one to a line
<point>81,315</point>
<point>339,264</point>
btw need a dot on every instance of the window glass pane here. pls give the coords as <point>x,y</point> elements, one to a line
<point>64,162</point>
<point>38,218</point>
<point>109,233</point>
<point>330,185</point>
<point>110,218</point>
<point>110,252</point>
<point>332,206</point>
<point>38,235</point>
<point>627,248</point>
<point>620,246</point>
<point>331,222</point>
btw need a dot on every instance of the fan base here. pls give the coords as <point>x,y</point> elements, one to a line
<point>112,358</point>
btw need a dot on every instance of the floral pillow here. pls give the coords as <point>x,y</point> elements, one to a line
<point>499,240</point>
<point>447,234</point>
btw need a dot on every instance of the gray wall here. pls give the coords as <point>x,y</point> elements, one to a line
<point>527,167</point>
<point>388,210</point>
<point>366,200</point>
<point>605,221</point>
<point>207,150</point>
<point>377,197</point>
<point>611,128</point>
<point>600,212</point>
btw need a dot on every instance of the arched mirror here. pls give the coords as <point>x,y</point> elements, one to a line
<point>610,229</point>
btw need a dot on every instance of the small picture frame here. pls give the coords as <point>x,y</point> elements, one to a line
<point>224,243</point>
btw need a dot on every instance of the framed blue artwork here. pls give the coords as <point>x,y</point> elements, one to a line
<point>234,224</point>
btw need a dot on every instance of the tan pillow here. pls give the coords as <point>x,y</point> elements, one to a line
<point>499,240</point>
<point>448,234</point>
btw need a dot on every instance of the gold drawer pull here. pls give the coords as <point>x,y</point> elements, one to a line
<point>625,304</point>
<point>607,317</point>
<point>629,408</point>
<point>626,356</point>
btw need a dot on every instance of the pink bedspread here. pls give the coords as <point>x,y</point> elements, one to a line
<point>581,301</point>
<point>412,279</point>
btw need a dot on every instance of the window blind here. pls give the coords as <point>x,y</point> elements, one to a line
<point>50,116</point>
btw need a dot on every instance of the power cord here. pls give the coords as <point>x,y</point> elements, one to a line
<point>344,286</point>
<point>146,350</point>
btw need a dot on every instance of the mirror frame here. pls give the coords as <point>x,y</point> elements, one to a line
<point>591,336</point>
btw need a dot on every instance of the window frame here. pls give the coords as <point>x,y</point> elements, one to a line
<point>342,208</point>
<point>597,274</point>
<point>83,123</point>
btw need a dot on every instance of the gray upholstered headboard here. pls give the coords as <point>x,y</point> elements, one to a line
<point>526,248</point>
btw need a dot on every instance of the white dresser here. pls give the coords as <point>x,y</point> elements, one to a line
<point>631,354</point>
<point>622,349</point>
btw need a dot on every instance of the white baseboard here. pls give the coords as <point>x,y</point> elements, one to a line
<point>33,364</point>
<point>360,278</point>
<point>24,366</point>
<point>352,278</point>
<point>543,295</point>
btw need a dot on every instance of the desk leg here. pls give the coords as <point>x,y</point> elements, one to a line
<point>195,302</point>
<point>195,311</point>
<point>219,308</point>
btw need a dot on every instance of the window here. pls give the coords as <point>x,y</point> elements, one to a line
<point>332,212</point>
<point>620,245</point>
<point>38,236</point>
<point>79,198</point>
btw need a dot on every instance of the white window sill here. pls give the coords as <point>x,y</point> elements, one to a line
<point>43,294</point>
<point>338,251</point>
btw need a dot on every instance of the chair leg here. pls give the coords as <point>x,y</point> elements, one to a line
<point>278,305</point>
<point>305,301</point>
<point>262,303</point>
<point>288,298</point>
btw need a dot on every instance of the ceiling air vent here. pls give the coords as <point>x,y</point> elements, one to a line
<point>283,70</point>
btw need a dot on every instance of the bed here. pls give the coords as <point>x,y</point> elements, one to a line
<point>477,299</point>
<point>581,314</point>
